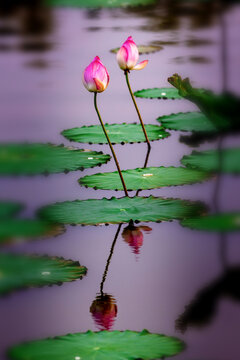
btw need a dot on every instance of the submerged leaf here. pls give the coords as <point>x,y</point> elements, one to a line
<point>143,49</point>
<point>118,133</point>
<point>144,178</point>
<point>31,159</point>
<point>18,271</point>
<point>103,345</point>
<point>116,211</point>
<point>158,93</point>
<point>18,230</point>
<point>225,161</point>
<point>216,222</point>
<point>9,209</point>
<point>190,121</point>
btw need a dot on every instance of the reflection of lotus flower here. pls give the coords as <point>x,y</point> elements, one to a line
<point>127,56</point>
<point>95,76</point>
<point>134,236</point>
<point>104,311</point>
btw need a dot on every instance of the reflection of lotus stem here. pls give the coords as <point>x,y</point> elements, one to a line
<point>110,144</point>
<point>109,259</point>
<point>136,107</point>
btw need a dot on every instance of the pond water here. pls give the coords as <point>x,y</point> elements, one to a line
<point>42,94</point>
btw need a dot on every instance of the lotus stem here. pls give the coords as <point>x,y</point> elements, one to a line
<point>110,145</point>
<point>136,107</point>
<point>109,259</point>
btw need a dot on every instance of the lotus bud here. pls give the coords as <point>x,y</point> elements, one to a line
<point>104,311</point>
<point>134,236</point>
<point>95,76</point>
<point>127,56</point>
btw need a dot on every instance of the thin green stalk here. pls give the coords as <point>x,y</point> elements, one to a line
<point>109,259</point>
<point>136,107</point>
<point>110,144</point>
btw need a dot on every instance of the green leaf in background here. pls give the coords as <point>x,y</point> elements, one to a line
<point>19,230</point>
<point>190,121</point>
<point>9,209</point>
<point>216,222</point>
<point>118,133</point>
<point>116,211</point>
<point>222,110</point>
<point>102,345</point>
<point>31,159</point>
<point>158,93</point>
<point>227,161</point>
<point>20,271</point>
<point>143,49</point>
<point>98,3</point>
<point>144,178</point>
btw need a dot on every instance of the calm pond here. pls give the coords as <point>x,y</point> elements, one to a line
<point>155,278</point>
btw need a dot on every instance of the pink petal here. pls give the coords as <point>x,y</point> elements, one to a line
<point>141,65</point>
<point>122,58</point>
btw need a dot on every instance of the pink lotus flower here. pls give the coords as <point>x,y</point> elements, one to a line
<point>134,236</point>
<point>127,56</point>
<point>104,311</point>
<point>95,76</point>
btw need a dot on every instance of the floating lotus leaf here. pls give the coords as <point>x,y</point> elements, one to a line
<point>19,271</point>
<point>31,159</point>
<point>144,179</point>
<point>143,49</point>
<point>118,133</point>
<point>98,3</point>
<point>9,209</point>
<point>18,230</point>
<point>216,222</point>
<point>226,161</point>
<point>158,93</point>
<point>221,109</point>
<point>116,211</point>
<point>102,345</point>
<point>190,121</point>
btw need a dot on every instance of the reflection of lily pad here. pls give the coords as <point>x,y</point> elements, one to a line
<point>144,179</point>
<point>190,121</point>
<point>210,160</point>
<point>158,93</point>
<point>118,133</point>
<point>30,159</point>
<point>102,345</point>
<point>9,209</point>
<point>218,222</point>
<point>18,271</point>
<point>98,3</point>
<point>143,49</point>
<point>115,211</point>
<point>18,230</point>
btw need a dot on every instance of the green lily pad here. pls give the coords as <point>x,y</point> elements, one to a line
<point>98,3</point>
<point>18,230</point>
<point>142,49</point>
<point>221,109</point>
<point>190,121</point>
<point>216,222</point>
<point>9,209</point>
<point>118,133</point>
<point>210,160</point>
<point>20,271</point>
<point>31,159</point>
<point>116,211</point>
<point>102,345</point>
<point>144,178</point>
<point>158,93</point>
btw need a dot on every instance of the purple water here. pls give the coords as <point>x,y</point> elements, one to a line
<point>41,94</point>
